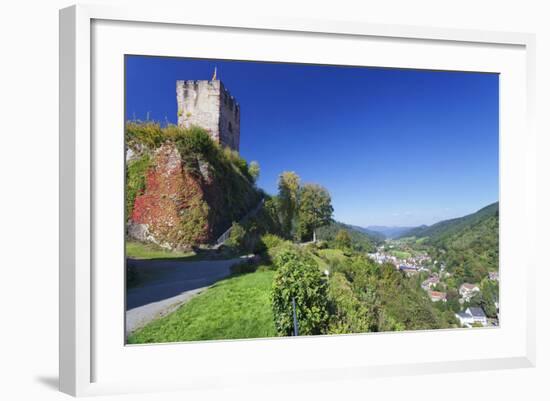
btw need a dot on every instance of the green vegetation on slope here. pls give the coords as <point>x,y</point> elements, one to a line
<point>393,300</point>
<point>238,307</point>
<point>231,192</point>
<point>471,252</point>
<point>468,245</point>
<point>135,181</point>
<point>446,228</point>
<point>360,241</point>
<point>298,282</point>
<point>357,296</point>
<point>362,296</point>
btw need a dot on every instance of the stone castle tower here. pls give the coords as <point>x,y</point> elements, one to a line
<point>209,105</point>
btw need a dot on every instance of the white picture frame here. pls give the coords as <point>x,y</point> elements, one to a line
<point>84,355</point>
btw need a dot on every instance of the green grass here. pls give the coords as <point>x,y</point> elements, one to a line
<point>238,307</point>
<point>137,250</point>
<point>323,265</point>
<point>332,255</point>
<point>401,254</point>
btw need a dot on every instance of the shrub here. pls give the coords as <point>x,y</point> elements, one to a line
<point>348,313</point>
<point>237,237</point>
<point>298,277</point>
<point>139,134</point>
<point>193,143</point>
<point>272,241</point>
<point>274,252</point>
<point>321,244</point>
<point>234,158</point>
<point>254,170</point>
<point>343,239</point>
<point>193,221</point>
<point>247,266</point>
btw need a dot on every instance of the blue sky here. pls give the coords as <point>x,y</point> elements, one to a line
<point>393,147</point>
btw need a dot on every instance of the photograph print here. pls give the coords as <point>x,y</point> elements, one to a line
<point>271,199</point>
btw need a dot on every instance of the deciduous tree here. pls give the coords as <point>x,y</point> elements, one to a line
<point>289,186</point>
<point>315,210</point>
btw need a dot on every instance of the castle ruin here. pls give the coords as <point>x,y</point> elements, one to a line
<point>209,105</point>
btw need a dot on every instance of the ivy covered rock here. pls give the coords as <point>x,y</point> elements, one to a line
<point>182,189</point>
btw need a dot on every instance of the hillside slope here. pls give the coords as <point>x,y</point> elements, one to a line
<point>448,227</point>
<point>469,245</point>
<point>360,240</point>
<point>181,188</point>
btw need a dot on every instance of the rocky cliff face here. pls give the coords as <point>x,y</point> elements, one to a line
<point>172,200</point>
<point>180,206</point>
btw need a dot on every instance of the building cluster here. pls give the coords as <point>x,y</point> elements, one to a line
<point>409,266</point>
<point>429,284</point>
<point>416,264</point>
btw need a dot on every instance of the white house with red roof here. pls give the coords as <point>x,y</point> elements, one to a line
<point>437,296</point>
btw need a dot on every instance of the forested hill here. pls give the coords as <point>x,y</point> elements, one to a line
<point>447,228</point>
<point>469,245</point>
<point>359,239</point>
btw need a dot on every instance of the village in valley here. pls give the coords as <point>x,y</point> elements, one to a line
<point>433,278</point>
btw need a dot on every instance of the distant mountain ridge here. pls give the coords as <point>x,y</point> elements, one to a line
<point>389,231</point>
<point>366,230</point>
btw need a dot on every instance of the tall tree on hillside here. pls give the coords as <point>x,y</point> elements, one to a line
<point>289,187</point>
<point>314,210</point>
<point>254,170</point>
<point>343,239</point>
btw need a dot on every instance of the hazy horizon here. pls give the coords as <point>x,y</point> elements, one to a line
<point>369,226</point>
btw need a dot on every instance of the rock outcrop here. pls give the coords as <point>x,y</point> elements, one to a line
<point>184,205</point>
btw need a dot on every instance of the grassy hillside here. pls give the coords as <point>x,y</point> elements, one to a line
<point>238,307</point>
<point>357,296</point>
